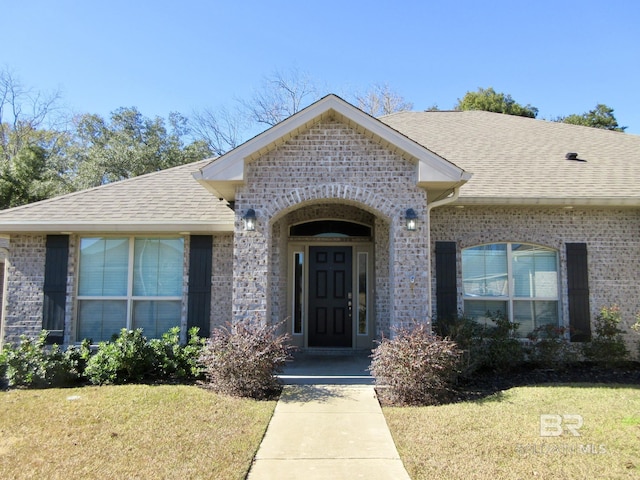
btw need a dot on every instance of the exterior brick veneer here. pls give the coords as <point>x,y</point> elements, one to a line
<point>333,171</point>
<point>331,164</point>
<point>24,284</point>
<point>612,237</point>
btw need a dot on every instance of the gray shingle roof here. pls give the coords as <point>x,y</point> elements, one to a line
<point>168,200</point>
<point>514,160</point>
<point>517,159</point>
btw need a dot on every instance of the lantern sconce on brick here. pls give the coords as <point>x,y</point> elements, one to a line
<point>249,220</point>
<point>412,219</point>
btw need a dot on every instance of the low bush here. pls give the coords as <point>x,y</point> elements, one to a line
<point>607,347</point>
<point>243,358</point>
<point>493,345</point>
<point>415,367</point>
<point>549,348</point>
<point>172,360</point>
<point>503,350</point>
<point>33,364</point>
<point>128,358</point>
<point>469,336</point>
<point>636,328</point>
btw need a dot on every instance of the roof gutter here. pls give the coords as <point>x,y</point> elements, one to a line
<point>113,227</point>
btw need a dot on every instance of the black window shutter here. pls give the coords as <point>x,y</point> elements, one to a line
<point>55,286</point>
<point>199,304</point>
<point>446,281</point>
<point>578,292</point>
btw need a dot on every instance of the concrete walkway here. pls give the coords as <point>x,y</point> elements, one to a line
<point>331,429</point>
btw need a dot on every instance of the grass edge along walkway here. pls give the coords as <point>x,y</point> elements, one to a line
<point>499,437</point>
<point>129,431</point>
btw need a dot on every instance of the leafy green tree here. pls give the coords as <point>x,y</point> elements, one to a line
<point>26,178</point>
<point>491,101</point>
<point>600,117</point>
<point>128,145</point>
<point>32,144</point>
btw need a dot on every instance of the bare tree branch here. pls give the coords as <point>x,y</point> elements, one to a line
<point>280,96</point>
<point>381,100</point>
<point>222,130</point>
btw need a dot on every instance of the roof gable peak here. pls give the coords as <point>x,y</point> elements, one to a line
<point>223,174</point>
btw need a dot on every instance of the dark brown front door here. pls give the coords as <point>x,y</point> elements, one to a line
<point>330,297</point>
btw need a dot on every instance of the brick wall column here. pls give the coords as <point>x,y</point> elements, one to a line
<point>24,287</point>
<point>251,257</point>
<point>410,277</point>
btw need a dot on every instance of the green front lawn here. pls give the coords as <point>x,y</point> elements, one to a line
<point>126,432</point>
<point>499,437</point>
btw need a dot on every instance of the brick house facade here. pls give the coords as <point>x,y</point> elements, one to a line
<point>331,255</point>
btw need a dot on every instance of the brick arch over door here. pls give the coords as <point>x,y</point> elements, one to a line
<point>361,197</point>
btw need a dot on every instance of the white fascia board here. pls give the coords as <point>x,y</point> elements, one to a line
<point>107,227</point>
<point>227,168</point>
<point>442,171</point>
<point>548,201</point>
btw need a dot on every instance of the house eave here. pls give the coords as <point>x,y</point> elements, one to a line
<point>114,227</point>
<point>550,201</point>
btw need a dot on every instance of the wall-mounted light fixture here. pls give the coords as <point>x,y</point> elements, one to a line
<point>412,219</point>
<point>249,220</point>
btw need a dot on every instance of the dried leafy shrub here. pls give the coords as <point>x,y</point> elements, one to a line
<point>243,358</point>
<point>415,367</point>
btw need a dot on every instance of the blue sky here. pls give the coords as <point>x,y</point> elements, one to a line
<point>160,56</point>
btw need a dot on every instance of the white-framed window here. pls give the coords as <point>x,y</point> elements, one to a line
<point>129,282</point>
<point>518,280</point>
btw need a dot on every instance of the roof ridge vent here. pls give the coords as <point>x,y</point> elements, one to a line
<point>573,156</point>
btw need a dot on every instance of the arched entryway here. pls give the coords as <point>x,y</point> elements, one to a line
<point>331,271</point>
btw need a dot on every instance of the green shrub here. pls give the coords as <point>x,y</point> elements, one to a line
<point>607,346</point>
<point>502,349</point>
<point>636,328</point>
<point>174,360</point>
<point>4,383</point>
<point>469,336</point>
<point>128,358</point>
<point>415,367</point>
<point>243,359</point>
<point>34,364</point>
<point>549,347</point>
<point>491,346</point>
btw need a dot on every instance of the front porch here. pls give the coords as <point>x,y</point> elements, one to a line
<point>328,367</point>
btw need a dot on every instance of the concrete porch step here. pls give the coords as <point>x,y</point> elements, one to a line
<point>309,368</point>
